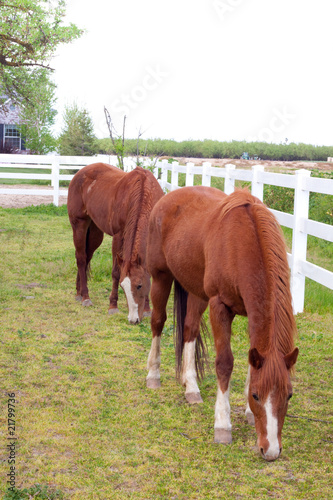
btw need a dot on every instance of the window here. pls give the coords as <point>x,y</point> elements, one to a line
<point>12,136</point>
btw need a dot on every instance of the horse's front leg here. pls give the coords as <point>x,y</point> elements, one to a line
<point>248,412</point>
<point>221,318</point>
<point>160,291</point>
<point>146,310</point>
<point>116,250</point>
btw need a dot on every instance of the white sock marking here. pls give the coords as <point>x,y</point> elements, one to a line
<point>189,374</point>
<point>154,359</point>
<point>248,410</point>
<point>272,430</point>
<point>133,309</point>
<point>222,410</point>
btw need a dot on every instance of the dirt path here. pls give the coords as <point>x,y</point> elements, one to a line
<point>25,200</point>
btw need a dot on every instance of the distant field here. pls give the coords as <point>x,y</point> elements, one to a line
<point>87,427</point>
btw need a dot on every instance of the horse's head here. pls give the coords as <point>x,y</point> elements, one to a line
<point>135,281</point>
<point>269,393</point>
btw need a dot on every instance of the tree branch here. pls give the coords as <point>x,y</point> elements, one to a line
<point>28,46</point>
<point>11,64</point>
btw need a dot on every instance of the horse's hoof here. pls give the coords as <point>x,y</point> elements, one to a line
<point>249,418</point>
<point>222,436</point>
<point>193,398</point>
<point>78,298</point>
<point>153,383</point>
<point>113,310</point>
<point>86,302</point>
<point>146,314</point>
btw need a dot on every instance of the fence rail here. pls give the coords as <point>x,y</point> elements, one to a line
<point>302,184</point>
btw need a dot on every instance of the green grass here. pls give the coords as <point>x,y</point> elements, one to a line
<point>87,427</point>
<point>24,171</point>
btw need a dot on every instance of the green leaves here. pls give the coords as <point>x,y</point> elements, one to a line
<point>30,31</point>
<point>38,117</point>
<point>77,138</point>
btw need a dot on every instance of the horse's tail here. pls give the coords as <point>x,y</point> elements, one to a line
<point>179,313</point>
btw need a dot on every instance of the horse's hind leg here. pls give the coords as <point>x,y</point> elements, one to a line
<point>80,228</point>
<point>194,312</point>
<point>160,291</point>
<point>221,318</point>
<point>87,237</point>
<point>93,241</point>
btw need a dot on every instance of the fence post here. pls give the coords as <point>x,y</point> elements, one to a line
<point>229,183</point>
<point>189,175</point>
<point>164,173</point>
<point>206,179</point>
<point>257,187</point>
<point>55,179</point>
<point>155,170</point>
<point>52,180</point>
<point>174,174</point>
<point>299,240</point>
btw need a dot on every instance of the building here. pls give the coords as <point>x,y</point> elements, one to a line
<point>10,136</point>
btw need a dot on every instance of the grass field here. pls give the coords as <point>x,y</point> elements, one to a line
<point>87,427</point>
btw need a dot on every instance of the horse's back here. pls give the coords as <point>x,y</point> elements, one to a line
<point>100,175</point>
<point>183,211</point>
<point>177,232</point>
<point>90,191</point>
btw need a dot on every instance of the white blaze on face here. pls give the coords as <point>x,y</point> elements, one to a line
<point>133,309</point>
<point>272,431</point>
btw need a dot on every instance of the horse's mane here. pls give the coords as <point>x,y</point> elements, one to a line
<point>139,207</point>
<point>282,327</point>
<point>274,255</point>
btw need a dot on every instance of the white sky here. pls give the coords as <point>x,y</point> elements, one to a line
<point>202,69</point>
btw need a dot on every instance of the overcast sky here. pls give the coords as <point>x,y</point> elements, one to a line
<point>202,69</point>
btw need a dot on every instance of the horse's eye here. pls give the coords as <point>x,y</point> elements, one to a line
<point>255,397</point>
<point>138,287</point>
<point>290,396</point>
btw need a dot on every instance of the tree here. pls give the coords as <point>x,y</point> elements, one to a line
<point>118,141</point>
<point>37,119</point>
<point>78,137</point>
<point>30,32</point>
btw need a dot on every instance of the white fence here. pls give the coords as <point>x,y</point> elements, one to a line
<point>299,222</point>
<point>54,164</point>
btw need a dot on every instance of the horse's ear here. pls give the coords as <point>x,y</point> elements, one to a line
<point>138,260</point>
<point>255,359</point>
<point>291,358</point>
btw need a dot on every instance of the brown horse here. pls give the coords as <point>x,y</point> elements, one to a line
<point>228,252</point>
<point>104,199</point>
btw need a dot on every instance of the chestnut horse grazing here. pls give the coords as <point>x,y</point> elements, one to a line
<point>228,252</point>
<point>104,199</point>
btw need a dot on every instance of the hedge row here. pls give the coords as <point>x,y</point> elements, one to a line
<point>215,149</point>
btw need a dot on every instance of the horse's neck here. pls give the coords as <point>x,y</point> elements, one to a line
<point>271,329</point>
<point>135,237</point>
<point>261,328</point>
